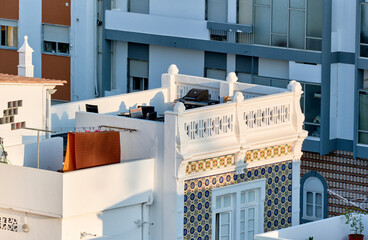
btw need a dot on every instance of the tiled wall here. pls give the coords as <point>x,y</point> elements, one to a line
<point>277,206</point>
<point>344,175</point>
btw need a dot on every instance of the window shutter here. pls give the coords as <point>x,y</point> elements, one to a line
<point>53,33</point>
<point>138,68</point>
<point>216,74</point>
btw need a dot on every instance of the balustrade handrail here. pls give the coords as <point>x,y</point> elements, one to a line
<point>185,83</point>
<point>220,120</point>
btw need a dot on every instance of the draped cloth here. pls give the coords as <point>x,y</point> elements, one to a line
<point>91,149</point>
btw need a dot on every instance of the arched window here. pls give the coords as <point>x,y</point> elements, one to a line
<point>314,197</point>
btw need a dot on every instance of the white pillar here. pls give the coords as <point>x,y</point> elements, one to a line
<point>25,67</point>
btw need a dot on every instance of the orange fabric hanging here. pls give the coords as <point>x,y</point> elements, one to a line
<point>91,149</point>
<point>69,163</point>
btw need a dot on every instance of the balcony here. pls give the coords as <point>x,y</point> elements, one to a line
<point>232,33</point>
<point>156,25</point>
<point>254,112</point>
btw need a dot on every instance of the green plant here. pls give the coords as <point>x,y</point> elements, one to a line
<point>355,220</point>
<point>310,238</point>
<point>3,153</point>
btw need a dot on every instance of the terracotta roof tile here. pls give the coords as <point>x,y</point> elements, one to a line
<point>7,78</point>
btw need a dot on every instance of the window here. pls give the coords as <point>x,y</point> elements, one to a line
<point>311,107</point>
<point>56,39</point>
<point>363,117</point>
<point>284,23</point>
<point>238,211</point>
<point>138,6</point>
<point>245,12</point>
<point>138,75</point>
<point>314,199</point>
<point>216,10</point>
<point>364,30</point>
<point>9,34</point>
<point>310,101</point>
<point>138,55</point>
<point>218,35</point>
<point>215,73</point>
<point>215,65</point>
<point>246,67</point>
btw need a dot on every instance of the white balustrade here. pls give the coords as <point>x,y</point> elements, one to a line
<point>217,121</point>
<point>185,83</point>
<point>255,112</point>
<point>209,126</point>
<point>266,113</point>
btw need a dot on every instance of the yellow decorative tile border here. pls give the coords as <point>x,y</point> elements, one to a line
<point>269,152</point>
<point>229,160</point>
<point>210,163</point>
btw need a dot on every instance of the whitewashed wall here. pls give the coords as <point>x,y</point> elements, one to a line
<point>63,115</point>
<point>33,112</point>
<point>51,154</point>
<point>330,228</point>
<point>40,227</point>
<point>146,142</point>
<point>190,62</point>
<point>273,68</point>
<point>109,224</point>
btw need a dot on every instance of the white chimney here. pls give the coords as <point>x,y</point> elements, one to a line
<point>25,67</point>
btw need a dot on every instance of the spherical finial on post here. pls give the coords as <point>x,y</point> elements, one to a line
<point>25,37</point>
<point>231,77</point>
<point>179,107</point>
<point>239,97</point>
<point>173,69</point>
<point>294,86</point>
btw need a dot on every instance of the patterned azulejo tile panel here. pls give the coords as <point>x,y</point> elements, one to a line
<point>277,205</point>
<point>210,163</point>
<point>267,153</point>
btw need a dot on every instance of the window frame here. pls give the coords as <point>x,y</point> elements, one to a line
<point>287,35</point>
<point>321,189</point>
<point>141,79</point>
<point>361,131</point>
<point>56,53</point>
<point>235,190</point>
<point>9,23</point>
<point>362,45</point>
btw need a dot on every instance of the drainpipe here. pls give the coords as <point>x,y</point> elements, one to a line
<point>145,217</point>
<point>49,92</point>
<point>144,221</point>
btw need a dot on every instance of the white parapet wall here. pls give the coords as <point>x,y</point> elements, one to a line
<point>51,154</point>
<point>330,228</point>
<point>63,115</point>
<point>75,193</point>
